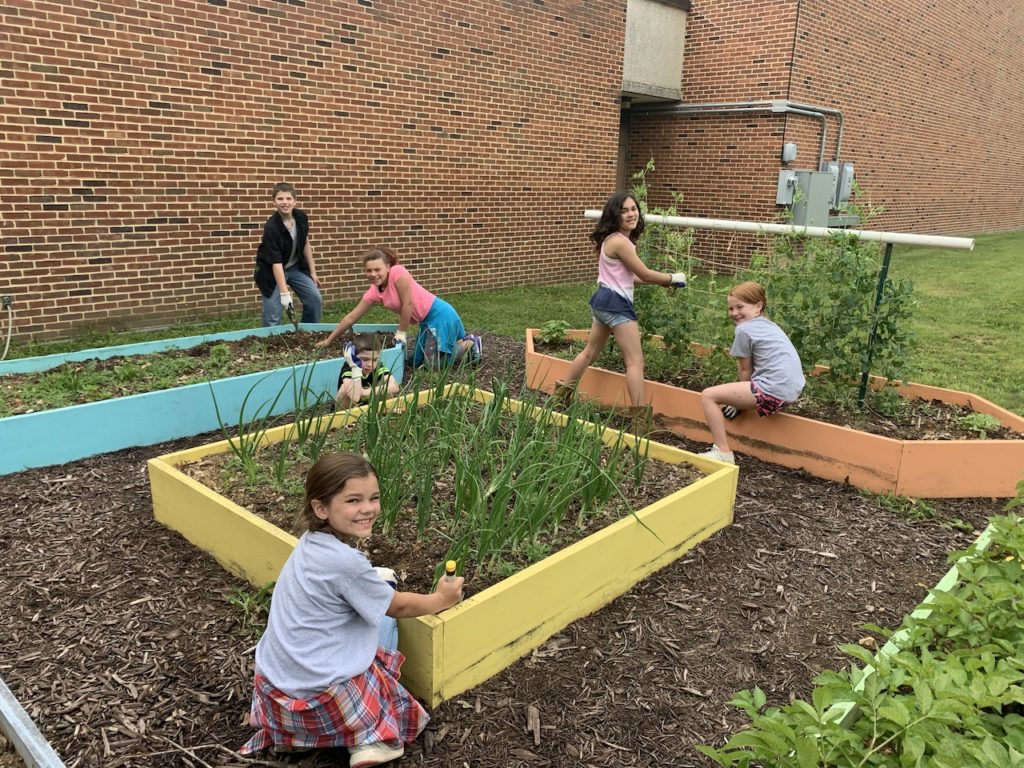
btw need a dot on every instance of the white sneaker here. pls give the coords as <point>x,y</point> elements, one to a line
<point>716,454</point>
<point>366,755</point>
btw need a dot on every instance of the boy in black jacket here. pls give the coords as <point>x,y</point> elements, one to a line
<point>285,258</point>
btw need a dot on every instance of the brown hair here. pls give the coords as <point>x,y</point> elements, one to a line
<point>380,252</point>
<point>283,187</point>
<point>751,293</point>
<point>325,479</point>
<point>365,342</point>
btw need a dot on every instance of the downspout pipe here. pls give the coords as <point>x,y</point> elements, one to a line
<point>777,106</point>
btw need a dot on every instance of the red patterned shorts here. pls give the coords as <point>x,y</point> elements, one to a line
<point>766,404</point>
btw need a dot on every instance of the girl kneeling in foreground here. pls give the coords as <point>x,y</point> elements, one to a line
<point>321,679</point>
<point>770,374</point>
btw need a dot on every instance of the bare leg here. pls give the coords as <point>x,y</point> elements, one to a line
<point>344,397</point>
<point>627,336</point>
<point>599,333</point>
<point>712,399</point>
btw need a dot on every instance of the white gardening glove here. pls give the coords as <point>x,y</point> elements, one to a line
<point>730,412</point>
<point>346,355</point>
<point>286,300</point>
<point>401,337</point>
<point>387,574</point>
<point>678,280</point>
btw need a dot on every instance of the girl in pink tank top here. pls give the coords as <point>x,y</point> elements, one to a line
<point>618,268</point>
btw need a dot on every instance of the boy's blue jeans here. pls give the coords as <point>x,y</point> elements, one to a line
<point>307,292</point>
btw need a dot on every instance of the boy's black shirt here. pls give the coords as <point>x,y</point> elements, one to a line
<point>375,377</point>
<point>276,247</point>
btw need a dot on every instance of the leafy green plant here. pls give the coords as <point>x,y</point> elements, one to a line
<point>1018,500</point>
<point>980,423</point>
<point>553,331</point>
<point>254,607</point>
<point>822,291</point>
<point>905,506</point>
<point>667,249</point>
<point>947,691</point>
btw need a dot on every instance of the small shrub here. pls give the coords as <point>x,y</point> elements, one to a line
<point>553,332</point>
<point>979,423</point>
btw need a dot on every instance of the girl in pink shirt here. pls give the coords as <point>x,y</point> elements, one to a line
<point>441,339</point>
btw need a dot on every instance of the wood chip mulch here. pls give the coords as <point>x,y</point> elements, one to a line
<point>119,640</point>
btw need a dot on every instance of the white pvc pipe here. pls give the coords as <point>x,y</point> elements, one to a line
<point>729,225</point>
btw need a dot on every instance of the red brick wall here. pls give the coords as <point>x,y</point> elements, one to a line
<point>931,101</point>
<point>140,141</point>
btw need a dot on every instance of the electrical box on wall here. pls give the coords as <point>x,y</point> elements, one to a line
<point>844,187</point>
<point>786,188</point>
<point>815,191</point>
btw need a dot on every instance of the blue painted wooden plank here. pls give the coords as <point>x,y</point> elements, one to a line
<point>45,362</point>
<point>67,434</point>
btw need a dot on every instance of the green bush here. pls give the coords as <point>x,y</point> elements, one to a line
<point>951,693</point>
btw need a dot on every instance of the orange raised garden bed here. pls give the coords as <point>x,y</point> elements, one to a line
<point>920,468</point>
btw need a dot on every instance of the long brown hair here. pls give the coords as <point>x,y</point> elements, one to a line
<point>325,479</point>
<point>611,219</point>
<point>380,252</point>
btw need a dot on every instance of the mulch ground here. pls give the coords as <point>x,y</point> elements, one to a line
<point>120,641</point>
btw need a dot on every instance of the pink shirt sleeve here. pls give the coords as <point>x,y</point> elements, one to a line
<point>422,299</point>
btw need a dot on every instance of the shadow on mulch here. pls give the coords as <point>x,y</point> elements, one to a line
<point>121,643</point>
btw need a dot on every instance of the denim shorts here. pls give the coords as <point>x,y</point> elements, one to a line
<point>611,319</point>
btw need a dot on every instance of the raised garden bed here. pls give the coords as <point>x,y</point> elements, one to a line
<point>453,651</point>
<point>635,675</point>
<point>65,434</point>
<point>920,468</point>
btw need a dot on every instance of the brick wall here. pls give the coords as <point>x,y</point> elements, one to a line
<point>140,141</point>
<point>931,102</point>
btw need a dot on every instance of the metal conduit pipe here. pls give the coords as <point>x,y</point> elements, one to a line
<point>754,227</point>
<point>777,106</point>
<point>837,113</point>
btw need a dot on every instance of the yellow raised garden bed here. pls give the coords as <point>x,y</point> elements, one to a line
<point>451,652</point>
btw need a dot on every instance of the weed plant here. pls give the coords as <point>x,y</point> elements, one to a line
<point>89,381</point>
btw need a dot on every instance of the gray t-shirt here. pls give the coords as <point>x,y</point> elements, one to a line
<point>323,621</point>
<point>293,257</point>
<point>777,369</point>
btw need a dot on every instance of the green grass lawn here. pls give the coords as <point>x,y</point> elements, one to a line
<point>970,321</point>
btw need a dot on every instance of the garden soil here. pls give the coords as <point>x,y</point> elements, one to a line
<point>120,641</point>
<point>918,420</point>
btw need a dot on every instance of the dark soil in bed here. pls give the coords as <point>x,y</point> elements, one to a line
<point>119,640</point>
<point>912,420</point>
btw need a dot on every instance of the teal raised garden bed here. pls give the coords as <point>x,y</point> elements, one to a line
<point>67,434</point>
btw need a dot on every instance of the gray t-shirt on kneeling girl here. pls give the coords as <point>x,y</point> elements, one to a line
<point>777,369</point>
<point>327,604</point>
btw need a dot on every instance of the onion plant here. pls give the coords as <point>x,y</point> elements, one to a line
<point>511,476</point>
